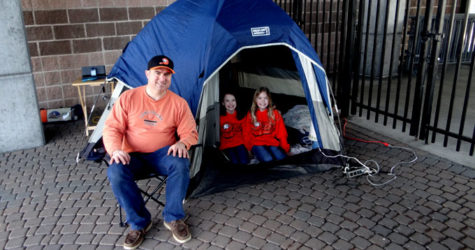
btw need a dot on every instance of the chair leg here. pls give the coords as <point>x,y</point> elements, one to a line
<point>121,221</point>
<point>155,190</point>
<point>147,197</point>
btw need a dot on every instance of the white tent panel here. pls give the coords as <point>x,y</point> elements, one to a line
<point>208,103</point>
<point>327,129</point>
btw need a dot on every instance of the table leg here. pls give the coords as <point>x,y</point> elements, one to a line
<point>82,99</point>
<point>112,86</point>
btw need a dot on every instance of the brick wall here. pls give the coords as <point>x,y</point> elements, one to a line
<point>64,35</point>
<point>448,9</point>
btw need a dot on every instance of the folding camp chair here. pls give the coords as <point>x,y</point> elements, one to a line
<point>147,195</point>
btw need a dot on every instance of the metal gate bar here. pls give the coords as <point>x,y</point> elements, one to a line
<point>473,141</point>
<point>418,91</point>
<point>317,11</point>
<point>344,78</point>
<point>393,43</point>
<point>394,116</point>
<point>364,57</point>
<point>465,102</point>
<point>373,56</point>
<point>444,70</point>
<point>346,55</point>
<point>357,63</point>
<point>406,106</point>
<point>457,69</point>
<point>322,35</point>
<point>335,52</point>
<point>453,134</point>
<point>329,34</point>
<point>436,37</point>
<point>401,58</point>
<point>381,65</point>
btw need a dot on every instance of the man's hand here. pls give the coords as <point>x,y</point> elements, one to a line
<point>178,149</point>
<point>120,156</point>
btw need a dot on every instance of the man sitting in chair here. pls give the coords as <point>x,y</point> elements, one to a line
<point>140,136</point>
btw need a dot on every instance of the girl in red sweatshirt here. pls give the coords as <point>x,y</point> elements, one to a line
<point>264,129</point>
<point>232,142</point>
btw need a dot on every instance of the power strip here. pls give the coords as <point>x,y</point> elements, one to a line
<point>356,172</point>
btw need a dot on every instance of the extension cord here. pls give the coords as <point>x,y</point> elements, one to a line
<point>371,172</point>
<point>356,172</point>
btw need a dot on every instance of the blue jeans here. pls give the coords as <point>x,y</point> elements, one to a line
<point>237,155</point>
<point>128,195</point>
<point>268,153</point>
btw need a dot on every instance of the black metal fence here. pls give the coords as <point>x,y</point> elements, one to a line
<point>322,23</point>
<point>387,64</point>
<point>467,50</point>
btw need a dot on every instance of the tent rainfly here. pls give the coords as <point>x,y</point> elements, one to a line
<point>218,45</point>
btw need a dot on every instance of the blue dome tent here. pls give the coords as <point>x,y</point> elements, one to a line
<point>239,45</point>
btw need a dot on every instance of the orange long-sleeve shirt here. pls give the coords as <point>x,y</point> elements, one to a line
<point>137,123</point>
<point>265,131</point>
<point>231,131</point>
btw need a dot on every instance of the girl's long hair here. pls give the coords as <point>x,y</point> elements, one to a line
<point>270,107</point>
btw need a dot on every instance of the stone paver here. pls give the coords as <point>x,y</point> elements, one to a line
<point>47,201</point>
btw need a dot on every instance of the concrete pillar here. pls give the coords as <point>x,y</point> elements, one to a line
<point>20,124</point>
<point>378,33</point>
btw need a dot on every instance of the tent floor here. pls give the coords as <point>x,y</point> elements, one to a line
<point>219,175</point>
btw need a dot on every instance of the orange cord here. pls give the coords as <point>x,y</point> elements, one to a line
<point>361,140</point>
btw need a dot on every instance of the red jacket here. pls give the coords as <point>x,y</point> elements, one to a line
<point>265,132</point>
<point>231,131</point>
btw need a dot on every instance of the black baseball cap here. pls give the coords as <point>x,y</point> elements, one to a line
<point>161,61</point>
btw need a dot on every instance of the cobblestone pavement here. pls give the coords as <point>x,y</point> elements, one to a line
<point>49,202</point>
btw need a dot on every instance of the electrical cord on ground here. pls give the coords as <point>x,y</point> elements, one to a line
<point>365,168</point>
<point>391,172</point>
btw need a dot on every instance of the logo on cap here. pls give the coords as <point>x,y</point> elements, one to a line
<point>164,61</point>
<point>160,62</point>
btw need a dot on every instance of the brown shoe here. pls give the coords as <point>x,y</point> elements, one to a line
<point>135,237</point>
<point>179,229</point>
